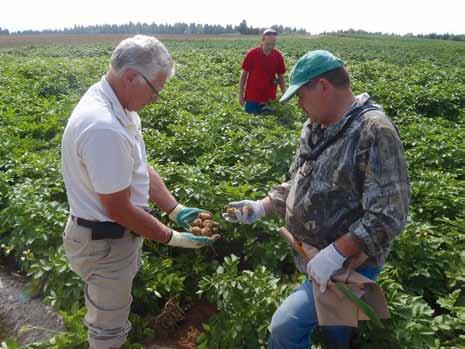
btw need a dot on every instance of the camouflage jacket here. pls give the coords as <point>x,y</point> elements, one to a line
<point>358,184</point>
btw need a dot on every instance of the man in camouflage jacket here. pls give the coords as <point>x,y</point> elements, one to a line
<point>348,191</point>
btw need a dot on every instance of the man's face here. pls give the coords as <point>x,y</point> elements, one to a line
<point>312,100</point>
<point>269,42</point>
<point>140,93</point>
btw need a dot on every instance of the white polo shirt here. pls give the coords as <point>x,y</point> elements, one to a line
<point>102,152</point>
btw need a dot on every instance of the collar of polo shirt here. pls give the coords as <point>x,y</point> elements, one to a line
<point>120,113</point>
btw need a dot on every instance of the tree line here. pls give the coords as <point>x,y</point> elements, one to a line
<point>215,29</point>
<point>445,36</point>
<point>155,28</point>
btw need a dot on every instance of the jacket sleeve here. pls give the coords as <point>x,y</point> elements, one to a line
<point>386,189</point>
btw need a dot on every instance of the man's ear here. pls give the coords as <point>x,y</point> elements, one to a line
<point>130,76</point>
<point>325,86</point>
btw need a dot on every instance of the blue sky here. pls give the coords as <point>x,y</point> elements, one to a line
<point>399,16</point>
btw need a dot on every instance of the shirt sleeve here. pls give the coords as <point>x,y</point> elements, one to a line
<point>106,155</point>
<point>386,191</point>
<point>248,62</point>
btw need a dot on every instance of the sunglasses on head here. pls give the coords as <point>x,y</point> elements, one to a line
<point>270,33</point>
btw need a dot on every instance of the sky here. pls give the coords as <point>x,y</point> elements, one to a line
<point>390,16</point>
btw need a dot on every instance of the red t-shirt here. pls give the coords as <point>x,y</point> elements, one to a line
<point>262,71</point>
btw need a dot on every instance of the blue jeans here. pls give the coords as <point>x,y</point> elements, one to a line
<point>295,319</point>
<point>253,107</point>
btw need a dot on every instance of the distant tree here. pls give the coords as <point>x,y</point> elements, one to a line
<point>243,28</point>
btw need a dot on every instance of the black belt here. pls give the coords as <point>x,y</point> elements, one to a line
<point>103,230</point>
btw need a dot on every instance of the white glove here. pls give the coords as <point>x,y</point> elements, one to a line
<point>188,240</point>
<point>246,212</point>
<point>321,267</point>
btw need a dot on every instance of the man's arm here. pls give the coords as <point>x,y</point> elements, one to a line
<point>385,202</point>
<point>119,208</point>
<point>386,195</point>
<point>106,155</point>
<point>162,197</point>
<point>267,205</point>
<point>282,83</point>
<point>242,83</point>
<point>159,193</point>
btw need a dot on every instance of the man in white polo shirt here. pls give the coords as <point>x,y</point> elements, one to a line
<point>109,185</point>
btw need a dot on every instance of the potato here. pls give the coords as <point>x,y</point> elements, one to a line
<point>206,232</point>
<point>205,215</point>
<point>231,212</point>
<point>208,223</point>
<point>204,225</point>
<point>197,223</point>
<point>196,230</point>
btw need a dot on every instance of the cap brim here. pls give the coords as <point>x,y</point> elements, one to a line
<point>290,92</point>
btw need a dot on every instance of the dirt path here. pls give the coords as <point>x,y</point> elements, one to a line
<point>16,313</point>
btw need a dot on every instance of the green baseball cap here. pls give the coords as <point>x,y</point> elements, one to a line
<point>309,66</point>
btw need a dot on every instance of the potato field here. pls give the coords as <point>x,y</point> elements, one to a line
<point>210,152</point>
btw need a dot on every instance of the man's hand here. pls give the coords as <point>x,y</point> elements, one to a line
<point>241,100</point>
<point>184,216</point>
<point>188,240</point>
<point>321,267</point>
<point>245,211</point>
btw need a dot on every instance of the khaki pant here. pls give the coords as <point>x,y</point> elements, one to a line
<point>108,268</point>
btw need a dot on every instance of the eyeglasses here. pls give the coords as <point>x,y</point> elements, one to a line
<point>154,90</point>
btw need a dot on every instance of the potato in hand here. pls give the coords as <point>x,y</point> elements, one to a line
<point>203,225</point>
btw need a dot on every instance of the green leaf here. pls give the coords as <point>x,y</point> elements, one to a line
<point>10,344</point>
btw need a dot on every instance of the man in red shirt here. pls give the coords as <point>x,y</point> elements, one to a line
<point>263,69</point>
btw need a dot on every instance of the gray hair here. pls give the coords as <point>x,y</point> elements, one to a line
<point>145,54</point>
